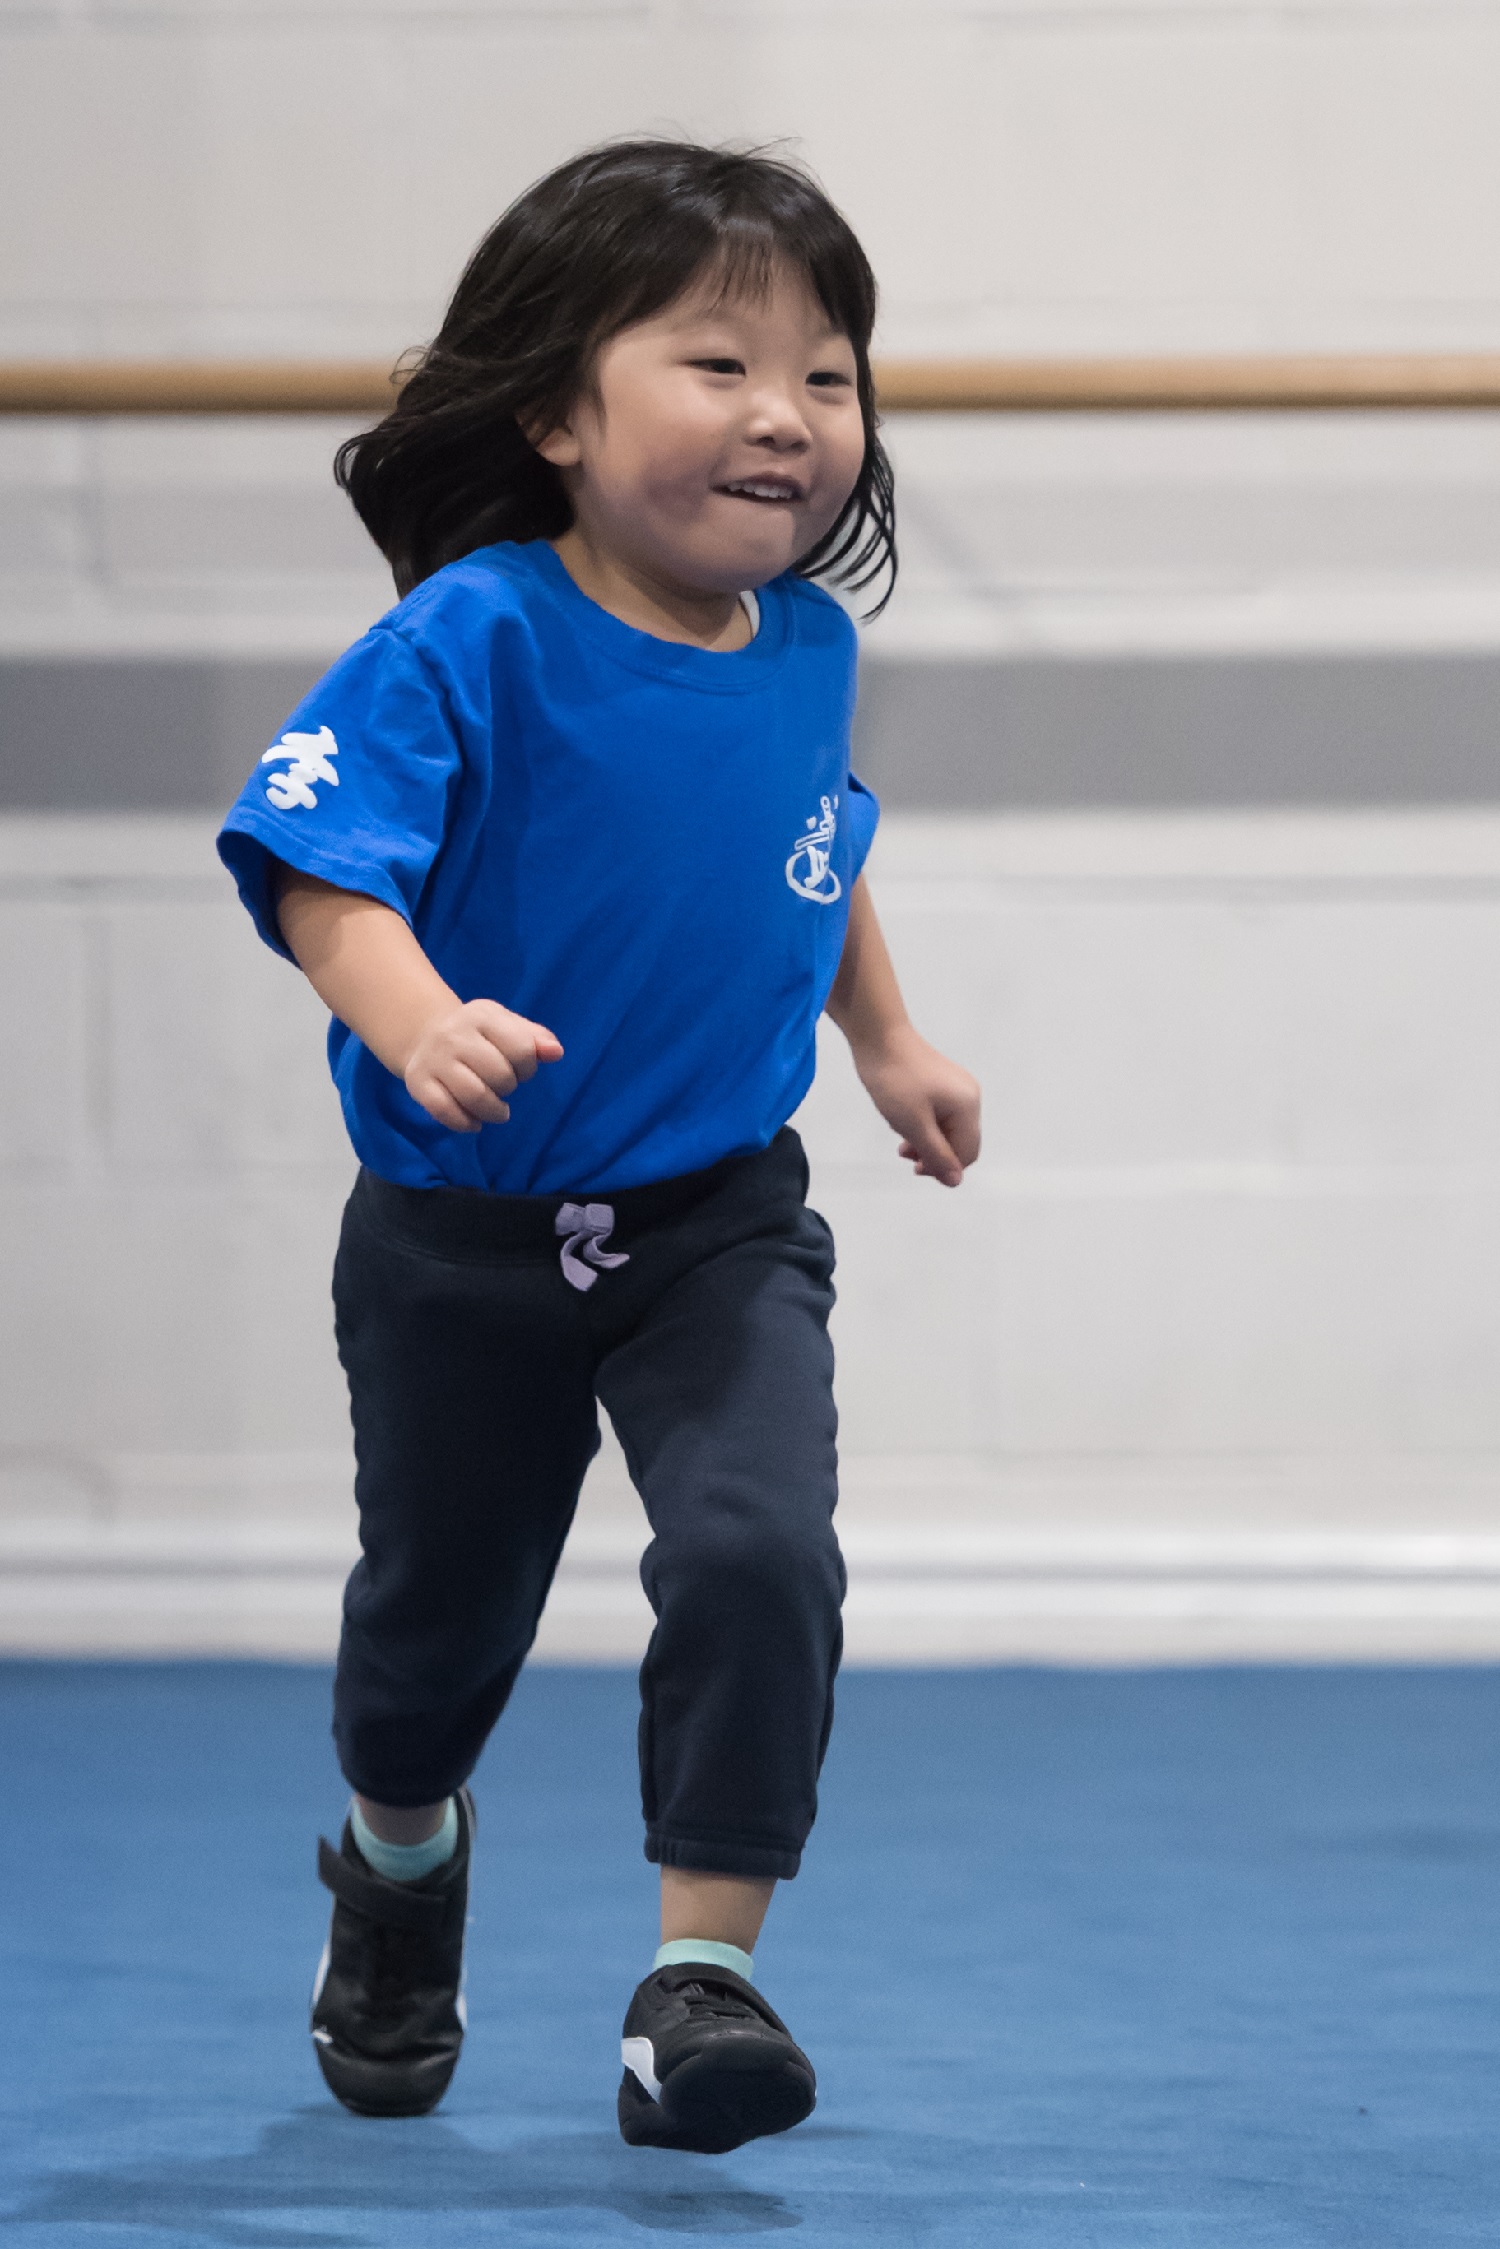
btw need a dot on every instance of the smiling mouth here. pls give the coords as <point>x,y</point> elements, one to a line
<point>765,489</point>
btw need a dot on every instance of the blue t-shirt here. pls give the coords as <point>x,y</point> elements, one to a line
<point>647,847</point>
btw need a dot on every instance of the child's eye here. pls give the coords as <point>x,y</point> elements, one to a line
<point>830,378</point>
<point>721,366</point>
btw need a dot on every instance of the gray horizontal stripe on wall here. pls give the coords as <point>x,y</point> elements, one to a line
<point>947,733</point>
<point>1040,732</point>
<point>139,734</point>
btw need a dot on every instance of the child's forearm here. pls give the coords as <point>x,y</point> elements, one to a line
<point>364,964</point>
<point>458,1058</point>
<point>931,1102</point>
<point>866,1001</point>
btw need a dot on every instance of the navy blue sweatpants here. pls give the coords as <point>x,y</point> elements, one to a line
<point>475,1364</point>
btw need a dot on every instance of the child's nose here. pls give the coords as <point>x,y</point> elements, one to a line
<point>777,419</point>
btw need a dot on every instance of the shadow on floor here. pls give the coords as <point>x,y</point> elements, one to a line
<point>324,2161</point>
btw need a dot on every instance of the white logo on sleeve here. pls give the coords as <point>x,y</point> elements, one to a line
<point>808,870</point>
<point>311,758</point>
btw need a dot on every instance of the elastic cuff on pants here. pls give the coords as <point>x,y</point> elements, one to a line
<point>696,1854</point>
<point>406,1794</point>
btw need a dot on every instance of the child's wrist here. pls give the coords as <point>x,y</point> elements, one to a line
<point>874,1045</point>
<point>406,1049</point>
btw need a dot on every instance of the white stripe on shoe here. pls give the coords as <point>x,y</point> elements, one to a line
<point>639,2057</point>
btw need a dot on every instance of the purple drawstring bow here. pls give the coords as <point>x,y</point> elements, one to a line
<point>588,1227</point>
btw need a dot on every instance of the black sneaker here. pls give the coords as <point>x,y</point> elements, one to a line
<point>707,2064</point>
<point>387,2008</point>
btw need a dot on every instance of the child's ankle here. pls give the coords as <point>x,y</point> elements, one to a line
<point>405,1862</point>
<point>708,1950</point>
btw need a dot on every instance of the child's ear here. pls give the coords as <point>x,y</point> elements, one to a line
<point>558,445</point>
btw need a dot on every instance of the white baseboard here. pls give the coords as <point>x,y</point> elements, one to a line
<point>950,1561</point>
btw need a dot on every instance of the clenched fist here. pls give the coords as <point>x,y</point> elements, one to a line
<point>931,1102</point>
<point>468,1057</point>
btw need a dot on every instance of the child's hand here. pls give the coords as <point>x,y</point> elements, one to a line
<point>469,1056</point>
<point>930,1101</point>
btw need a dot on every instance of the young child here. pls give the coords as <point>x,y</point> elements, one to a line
<point>570,847</point>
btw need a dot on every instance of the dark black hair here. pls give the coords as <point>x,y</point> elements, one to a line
<point>609,238</point>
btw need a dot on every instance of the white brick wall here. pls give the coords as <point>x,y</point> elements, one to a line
<point>277,177</point>
<point>1199,1359</point>
<point>1019,535</point>
<point>255,176</point>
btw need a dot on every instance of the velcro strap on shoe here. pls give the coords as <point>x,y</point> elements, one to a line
<point>378,1900</point>
<point>713,1978</point>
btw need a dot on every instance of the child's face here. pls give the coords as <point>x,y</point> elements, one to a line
<point>720,441</point>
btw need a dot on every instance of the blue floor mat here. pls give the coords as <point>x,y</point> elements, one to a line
<point>1086,1960</point>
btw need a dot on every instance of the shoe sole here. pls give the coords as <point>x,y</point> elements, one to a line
<point>380,2089</point>
<point>713,2103</point>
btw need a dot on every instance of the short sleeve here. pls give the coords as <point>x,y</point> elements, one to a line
<point>864,817</point>
<point>355,790</point>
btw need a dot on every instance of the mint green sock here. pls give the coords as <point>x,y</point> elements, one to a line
<point>405,1862</point>
<point>684,1949</point>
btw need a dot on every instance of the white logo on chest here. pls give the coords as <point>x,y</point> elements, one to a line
<point>808,870</point>
<point>311,758</point>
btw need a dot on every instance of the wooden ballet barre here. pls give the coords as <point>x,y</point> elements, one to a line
<point>195,386</point>
<point>1300,383</point>
<point>1279,384</point>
